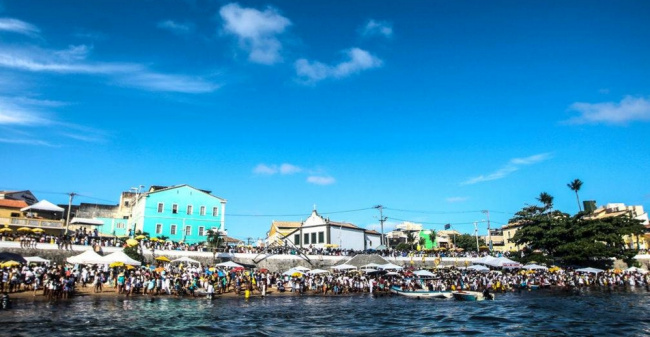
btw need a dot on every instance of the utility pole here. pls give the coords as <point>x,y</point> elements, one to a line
<point>381,221</point>
<point>67,220</point>
<point>487,212</point>
<point>476,234</point>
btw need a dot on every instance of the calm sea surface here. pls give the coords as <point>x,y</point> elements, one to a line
<point>537,313</point>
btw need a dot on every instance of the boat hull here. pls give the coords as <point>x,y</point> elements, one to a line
<point>422,293</point>
<point>470,296</point>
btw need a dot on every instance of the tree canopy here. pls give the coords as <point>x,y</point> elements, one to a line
<point>468,242</point>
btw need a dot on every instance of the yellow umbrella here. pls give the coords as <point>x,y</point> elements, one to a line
<point>129,267</point>
<point>132,242</point>
<point>10,264</point>
<point>24,229</point>
<point>116,264</point>
<point>140,237</point>
<point>296,274</point>
<point>153,239</point>
<point>37,230</point>
<point>163,258</point>
<point>2,230</point>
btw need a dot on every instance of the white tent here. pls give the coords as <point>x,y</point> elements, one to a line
<point>229,264</point>
<point>301,269</point>
<point>36,259</point>
<point>642,256</point>
<point>389,266</point>
<point>186,260</point>
<point>120,256</point>
<point>42,205</point>
<point>392,273</point>
<point>534,267</point>
<point>317,271</point>
<point>85,221</point>
<point>87,257</point>
<point>589,270</point>
<point>371,265</point>
<point>368,270</point>
<point>502,262</point>
<point>344,267</point>
<point>629,270</point>
<point>486,260</point>
<point>292,271</point>
<point>478,267</point>
<point>423,273</point>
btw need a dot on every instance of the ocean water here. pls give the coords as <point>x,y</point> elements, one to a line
<point>536,313</point>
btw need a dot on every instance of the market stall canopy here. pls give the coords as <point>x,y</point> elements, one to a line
<point>43,205</point>
<point>477,267</point>
<point>120,256</point>
<point>423,273</point>
<point>371,265</point>
<point>636,270</point>
<point>589,270</point>
<point>87,257</point>
<point>301,269</point>
<point>86,221</point>
<point>36,259</point>
<point>534,267</point>
<point>229,264</point>
<point>317,271</point>
<point>163,259</point>
<point>344,267</point>
<point>186,260</point>
<point>389,266</point>
<point>502,262</point>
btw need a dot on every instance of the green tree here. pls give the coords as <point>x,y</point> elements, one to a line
<point>433,236</point>
<point>214,240</point>
<point>547,200</point>
<point>134,253</point>
<point>575,186</point>
<point>468,242</point>
<point>410,239</point>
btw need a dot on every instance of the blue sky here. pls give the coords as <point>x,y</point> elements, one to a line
<point>434,109</point>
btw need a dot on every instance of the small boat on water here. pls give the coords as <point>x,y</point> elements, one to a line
<point>471,296</point>
<point>421,293</point>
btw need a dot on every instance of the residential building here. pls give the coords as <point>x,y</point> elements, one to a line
<point>620,209</point>
<point>25,196</point>
<point>181,213</point>
<point>319,232</point>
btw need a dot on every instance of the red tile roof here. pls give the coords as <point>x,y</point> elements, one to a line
<point>8,203</point>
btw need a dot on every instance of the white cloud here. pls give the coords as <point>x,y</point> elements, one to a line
<point>264,169</point>
<point>26,142</point>
<point>14,113</point>
<point>321,180</point>
<point>512,166</point>
<point>256,31</point>
<point>457,199</point>
<point>289,169</point>
<point>73,61</point>
<point>358,60</point>
<point>175,27</point>
<point>629,109</point>
<point>373,27</point>
<point>18,26</point>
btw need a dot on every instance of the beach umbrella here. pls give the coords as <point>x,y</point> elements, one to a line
<point>153,239</point>
<point>236,269</point>
<point>116,264</point>
<point>132,242</point>
<point>24,229</point>
<point>296,274</point>
<point>129,267</point>
<point>553,269</point>
<point>163,259</point>
<point>589,270</point>
<point>140,237</point>
<point>264,270</point>
<point>159,269</point>
<point>37,230</point>
<point>5,229</point>
<point>10,264</point>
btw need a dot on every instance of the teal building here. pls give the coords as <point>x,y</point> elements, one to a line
<point>181,213</point>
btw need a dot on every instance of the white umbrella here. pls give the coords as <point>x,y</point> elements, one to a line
<point>229,264</point>
<point>344,267</point>
<point>589,270</point>
<point>120,256</point>
<point>422,273</point>
<point>534,267</point>
<point>291,272</point>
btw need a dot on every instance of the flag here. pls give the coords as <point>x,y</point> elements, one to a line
<point>447,226</point>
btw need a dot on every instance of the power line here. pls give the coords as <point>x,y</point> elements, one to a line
<point>432,223</point>
<point>300,214</point>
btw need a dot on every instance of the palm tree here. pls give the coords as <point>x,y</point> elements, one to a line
<point>214,241</point>
<point>575,187</point>
<point>410,239</point>
<point>547,200</point>
<point>432,236</point>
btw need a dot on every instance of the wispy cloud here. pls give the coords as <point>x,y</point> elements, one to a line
<point>18,26</point>
<point>73,61</point>
<point>263,169</point>
<point>284,169</point>
<point>357,61</point>
<point>12,112</point>
<point>457,199</point>
<point>373,28</point>
<point>19,141</point>
<point>512,166</point>
<point>256,31</point>
<point>629,109</point>
<point>175,27</point>
<point>321,180</point>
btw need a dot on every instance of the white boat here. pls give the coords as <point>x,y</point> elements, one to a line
<point>421,293</point>
<point>470,296</point>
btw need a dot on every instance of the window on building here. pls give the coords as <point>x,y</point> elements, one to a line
<point>126,203</point>
<point>158,228</point>
<point>188,230</point>
<point>296,239</point>
<point>202,210</point>
<point>160,207</point>
<point>321,237</point>
<point>120,225</point>
<point>305,238</point>
<point>201,231</point>
<point>175,209</point>
<point>189,209</point>
<point>313,237</point>
<point>215,211</point>
<point>172,230</point>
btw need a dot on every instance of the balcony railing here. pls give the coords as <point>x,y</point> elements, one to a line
<point>34,223</point>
